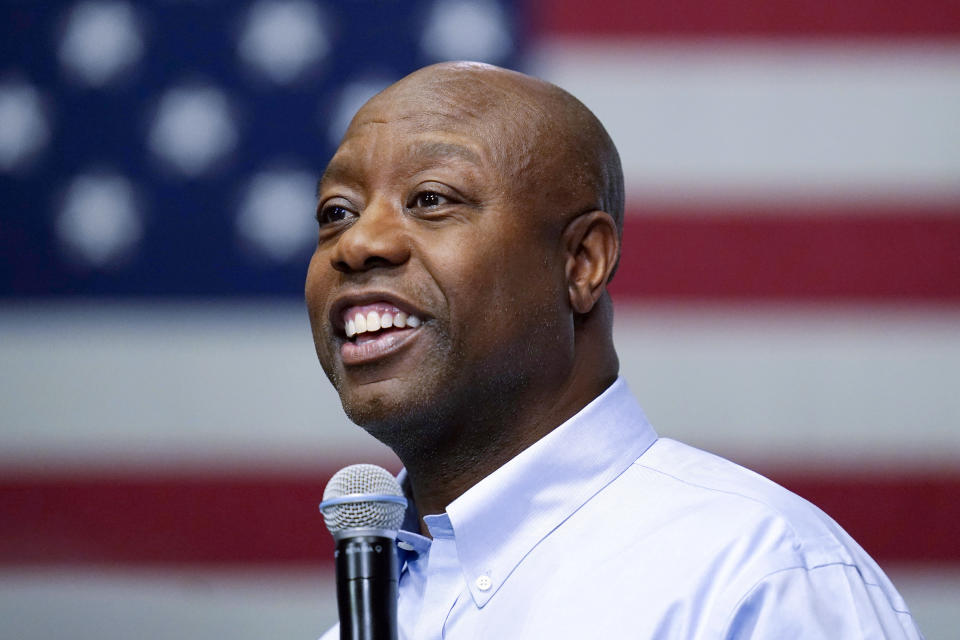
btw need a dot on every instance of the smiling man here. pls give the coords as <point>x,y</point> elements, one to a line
<point>468,226</point>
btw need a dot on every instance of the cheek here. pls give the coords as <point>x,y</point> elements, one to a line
<point>310,286</point>
<point>319,273</point>
<point>489,285</point>
<point>316,291</point>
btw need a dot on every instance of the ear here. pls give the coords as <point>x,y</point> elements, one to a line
<point>592,245</point>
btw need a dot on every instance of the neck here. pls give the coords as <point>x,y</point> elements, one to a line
<point>489,436</point>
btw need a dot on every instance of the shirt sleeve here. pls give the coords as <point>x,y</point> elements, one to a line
<point>826,602</point>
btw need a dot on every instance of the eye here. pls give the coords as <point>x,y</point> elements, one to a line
<point>427,200</point>
<point>332,213</point>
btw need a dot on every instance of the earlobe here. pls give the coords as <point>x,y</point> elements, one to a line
<point>592,245</point>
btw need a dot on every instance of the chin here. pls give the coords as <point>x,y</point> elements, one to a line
<point>405,419</point>
<point>404,433</point>
<point>380,406</point>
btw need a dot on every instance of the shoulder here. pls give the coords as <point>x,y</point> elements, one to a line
<point>711,516</point>
<point>733,497</point>
<point>778,552</point>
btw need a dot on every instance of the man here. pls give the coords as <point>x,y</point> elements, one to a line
<point>469,223</point>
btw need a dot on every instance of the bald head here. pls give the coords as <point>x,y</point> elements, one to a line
<point>546,139</point>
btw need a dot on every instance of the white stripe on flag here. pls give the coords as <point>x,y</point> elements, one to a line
<point>817,120</point>
<point>195,386</point>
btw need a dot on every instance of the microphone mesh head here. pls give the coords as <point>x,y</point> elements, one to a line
<point>365,482</point>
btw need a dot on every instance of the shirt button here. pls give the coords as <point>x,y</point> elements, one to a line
<point>484,583</point>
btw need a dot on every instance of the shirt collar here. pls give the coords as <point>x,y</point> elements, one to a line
<point>500,519</point>
<point>410,542</point>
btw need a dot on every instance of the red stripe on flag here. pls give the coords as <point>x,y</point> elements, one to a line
<point>895,519</point>
<point>764,18</point>
<point>845,256</point>
<point>102,519</point>
<point>108,520</point>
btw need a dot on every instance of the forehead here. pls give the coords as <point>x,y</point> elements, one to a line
<point>404,131</point>
<point>404,147</point>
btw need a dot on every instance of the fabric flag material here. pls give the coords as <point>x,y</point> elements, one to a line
<point>788,295</point>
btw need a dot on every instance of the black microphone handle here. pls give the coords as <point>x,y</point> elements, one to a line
<point>367,587</point>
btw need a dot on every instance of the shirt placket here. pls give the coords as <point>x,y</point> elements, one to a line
<point>444,586</point>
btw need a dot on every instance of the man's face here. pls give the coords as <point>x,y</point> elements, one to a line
<point>422,215</point>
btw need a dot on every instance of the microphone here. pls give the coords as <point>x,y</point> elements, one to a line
<point>363,508</point>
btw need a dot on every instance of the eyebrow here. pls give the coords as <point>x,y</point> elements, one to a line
<point>433,150</point>
<point>336,171</point>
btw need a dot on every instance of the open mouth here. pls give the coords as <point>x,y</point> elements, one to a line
<point>369,322</point>
<point>375,330</point>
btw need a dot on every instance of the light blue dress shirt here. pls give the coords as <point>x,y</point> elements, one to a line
<point>603,530</point>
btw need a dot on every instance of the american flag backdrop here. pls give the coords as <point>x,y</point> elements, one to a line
<point>789,293</point>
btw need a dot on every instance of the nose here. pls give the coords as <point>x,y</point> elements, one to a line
<point>376,239</point>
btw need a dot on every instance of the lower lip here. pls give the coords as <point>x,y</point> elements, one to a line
<point>354,354</point>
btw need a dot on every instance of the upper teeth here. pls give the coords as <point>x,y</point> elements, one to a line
<point>374,321</point>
